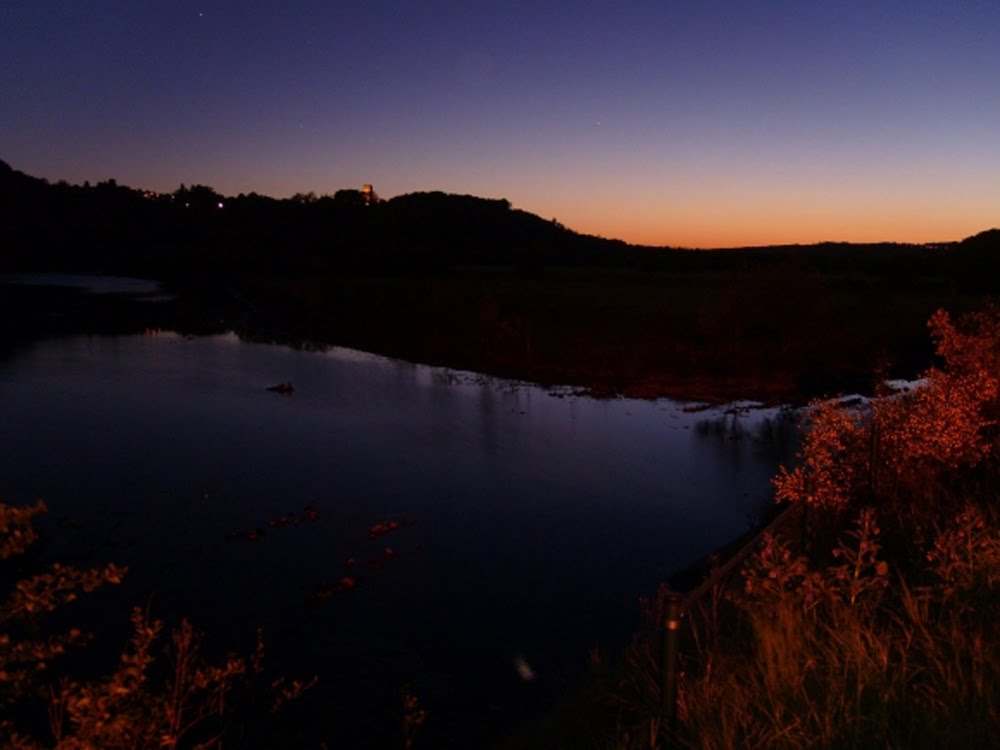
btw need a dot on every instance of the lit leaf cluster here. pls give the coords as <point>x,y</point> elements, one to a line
<point>60,585</point>
<point>829,474</point>
<point>965,552</point>
<point>414,717</point>
<point>124,711</point>
<point>906,443</point>
<point>128,708</point>
<point>16,531</point>
<point>951,421</point>
<point>775,574</point>
<point>25,657</point>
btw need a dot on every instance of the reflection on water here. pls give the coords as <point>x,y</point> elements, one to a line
<point>774,432</point>
<point>526,526</point>
<point>740,434</point>
<point>90,283</point>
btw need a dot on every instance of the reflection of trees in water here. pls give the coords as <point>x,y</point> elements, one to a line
<point>782,433</point>
<point>774,437</point>
<point>444,376</point>
<point>752,444</point>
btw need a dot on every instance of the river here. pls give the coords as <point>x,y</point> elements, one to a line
<point>386,524</point>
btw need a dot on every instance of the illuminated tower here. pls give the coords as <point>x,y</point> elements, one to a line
<point>369,195</point>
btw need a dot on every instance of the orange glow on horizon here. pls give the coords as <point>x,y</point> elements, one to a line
<point>694,226</point>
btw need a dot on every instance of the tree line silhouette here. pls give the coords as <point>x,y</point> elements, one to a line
<point>111,227</point>
<point>114,228</point>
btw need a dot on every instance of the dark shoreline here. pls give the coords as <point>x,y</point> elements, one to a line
<point>32,313</point>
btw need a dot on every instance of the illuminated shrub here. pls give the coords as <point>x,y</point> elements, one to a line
<point>830,472</point>
<point>905,443</point>
<point>183,708</point>
<point>25,657</point>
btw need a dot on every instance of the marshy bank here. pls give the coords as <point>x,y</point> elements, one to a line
<point>781,334</point>
<point>785,332</point>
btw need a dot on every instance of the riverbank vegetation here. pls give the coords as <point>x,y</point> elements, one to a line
<point>159,695</point>
<point>875,623</point>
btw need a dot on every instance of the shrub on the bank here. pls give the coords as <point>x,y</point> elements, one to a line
<point>905,445</point>
<point>183,705</point>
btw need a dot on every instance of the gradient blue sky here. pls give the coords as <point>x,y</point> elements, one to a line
<point>681,123</point>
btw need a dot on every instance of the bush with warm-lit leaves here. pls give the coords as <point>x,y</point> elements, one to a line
<point>128,708</point>
<point>905,445</point>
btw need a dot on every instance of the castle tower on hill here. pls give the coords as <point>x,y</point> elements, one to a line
<point>369,195</point>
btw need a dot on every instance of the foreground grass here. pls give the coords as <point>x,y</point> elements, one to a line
<point>909,662</point>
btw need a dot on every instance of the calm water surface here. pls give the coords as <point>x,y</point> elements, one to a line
<point>530,524</point>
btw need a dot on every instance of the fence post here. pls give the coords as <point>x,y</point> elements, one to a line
<point>668,671</point>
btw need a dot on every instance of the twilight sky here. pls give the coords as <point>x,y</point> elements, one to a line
<point>681,123</point>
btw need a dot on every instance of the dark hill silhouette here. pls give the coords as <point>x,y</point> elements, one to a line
<point>978,261</point>
<point>112,228</point>
<point>989,239</point>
